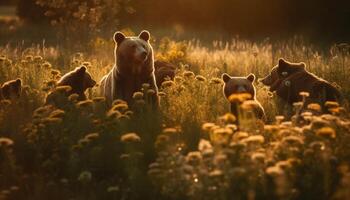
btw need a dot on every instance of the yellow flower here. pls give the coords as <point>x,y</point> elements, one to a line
<point>326,132</point>
<point>137,95</point>
<point>239,98</point>
<point>130,137</point>
<point>5,142</point>
<point>304,94</point>
<point>314,107</point>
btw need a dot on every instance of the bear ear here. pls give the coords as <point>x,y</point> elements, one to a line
<point>302,65</point>
<point>145,35</point>
<point>281,61</point>
<point>18,81</point>
<point>81,70</point>
<point>251,77</point>
<point>118,37</point>
<point>225,77</point>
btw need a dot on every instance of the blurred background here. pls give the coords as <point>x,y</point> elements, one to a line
<point>321,21</point>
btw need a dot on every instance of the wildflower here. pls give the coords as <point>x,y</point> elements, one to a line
<point>326,132</point>
<point>240,135</point>
<point>92,136</point>
<point>259,157</point>
<point>331,104</point>
<point>166,84</point>
<point>85,177</point>
<point>239,98</point>
<point>204,145</point>
<point>5,142</point>
<point>207,126</point>
<point>52,120</point>
<point>161,94</point>
<point>293,140</point>
<point>319,123</point>
<point>83,141</point>
<point>216,173</point>
<point>73,97</point>
<point>314,107</point>
<point>130,137</point>
<point>170,131</point>
<point>120,107</point>
<point>55,72</point>
<point>38,58</point>
<point>274,171</point>
<point>216,81</point>
<point>118,101</point>
<point>46,65</point>
<point>145,86</point>
<point>57,113</point>
<point>229,118</point>
<point>29,58</point>
<point>151,92</point>
<point>194,158</point>
<point>85,104</point>
<point>304,94</point>
<point>200,78</point>
<point>254,139</point>
<point>188,74</point>
<point>137,95</point>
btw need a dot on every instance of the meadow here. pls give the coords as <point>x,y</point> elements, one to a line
<point>191,148</point>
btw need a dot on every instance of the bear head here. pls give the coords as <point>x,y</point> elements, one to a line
<point>134,55</point>
<point>79,80</point>
<point>238,85</point>
<point>11,89</point>
<point>283,70</point>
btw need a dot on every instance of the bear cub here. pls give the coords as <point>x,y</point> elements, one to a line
<point>288,79</point>
<point>236,86</point>
<point>134,66</point>
<point>11,89</point>
<point>79,80</point>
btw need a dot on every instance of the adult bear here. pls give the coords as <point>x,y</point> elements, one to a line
<point>134,66</point>
<point>288,79</point>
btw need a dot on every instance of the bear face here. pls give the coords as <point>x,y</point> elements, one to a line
<point>79,80</point>
<point>242,85</point>
<point>238,85</point>
<point>280,72</point>
<point>11,89</point>
<point>137,51</point>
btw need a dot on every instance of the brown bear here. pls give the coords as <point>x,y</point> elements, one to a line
<point>289,79</point>
<point>11,89</point>
<point>79,80</point>
<point>242,86</point>
<point>163,71</point>
<point>134,66</point>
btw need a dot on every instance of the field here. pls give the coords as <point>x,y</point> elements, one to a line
<point>191,148</point>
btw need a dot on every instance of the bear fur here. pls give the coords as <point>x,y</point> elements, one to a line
<point>11,89</point>
<point>163,71</point>
<point>134,66</point>
<point>242,85</point>
<point>79,80</point>
<point>288,79</point>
